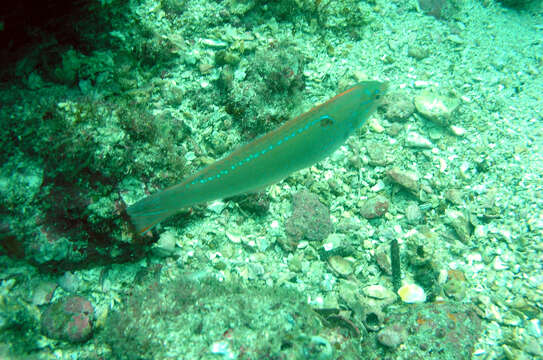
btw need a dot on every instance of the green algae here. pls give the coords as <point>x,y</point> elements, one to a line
<point>189,316</point>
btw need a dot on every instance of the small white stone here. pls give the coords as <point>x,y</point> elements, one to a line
<point>436,108</point>
<point>443,276</point>
<point>534,328</point>
<point>359,75</point>
<point>165,246</point>
<point>474,257</point>
<point>190,155</point>
<point>340,265</point>
<point>235,238</point>
<point>217,206</point>
<point>378,292</point>
<point>442,165</point>
<point>302,245</point>
<point>380,185</point>
<point>457,130</point>
<point>376,126</point>
<point>220,348</point>
<point>498,264</point>
<point>216,44</point>
<point>464,167</point>
<point>421,84</point>
<point>414,139</point>
<point>480,231</point>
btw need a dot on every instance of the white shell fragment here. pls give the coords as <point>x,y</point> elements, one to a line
<point>165,246</point>
<point>216,44</point>
<point>233,237</point>
<point>412,294</point>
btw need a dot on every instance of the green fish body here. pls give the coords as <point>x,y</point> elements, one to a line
<point>297,144</point>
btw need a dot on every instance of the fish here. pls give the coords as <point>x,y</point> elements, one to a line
<point>297,144</point>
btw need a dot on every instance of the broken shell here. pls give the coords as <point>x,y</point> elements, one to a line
<point>379,292</point>
<point>373,318</point>
<point>340,266</point>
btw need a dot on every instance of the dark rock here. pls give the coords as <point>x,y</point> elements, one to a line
<point>432,7</point>
<point>517,3</point>
<point>255,203</point>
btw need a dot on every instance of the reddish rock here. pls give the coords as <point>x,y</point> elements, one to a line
<point>405,178</point>
<point>310,219</point>
<point>441,330</point>
<point>374,207</point>
<point>68,319</point>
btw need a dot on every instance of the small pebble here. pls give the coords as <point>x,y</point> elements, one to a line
<point>398,107</point>
<point>374,207</point>
<point>459,223</point>
<point>217,206</point>
<point>382,257</point>
<point>216,44</point>
<point>405,178</point>
<point>457,130</point>
<point>413,213</point>
<point>43,293</point>
<point>375,125</point>
<point>436,108</point>
<point>69,281</point>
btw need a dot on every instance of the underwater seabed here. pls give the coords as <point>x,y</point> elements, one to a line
<point>419,238</point>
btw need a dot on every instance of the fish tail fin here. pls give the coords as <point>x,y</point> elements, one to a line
<point>148,212</point>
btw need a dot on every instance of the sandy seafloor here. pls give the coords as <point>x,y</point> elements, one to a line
<point>479,218</point>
